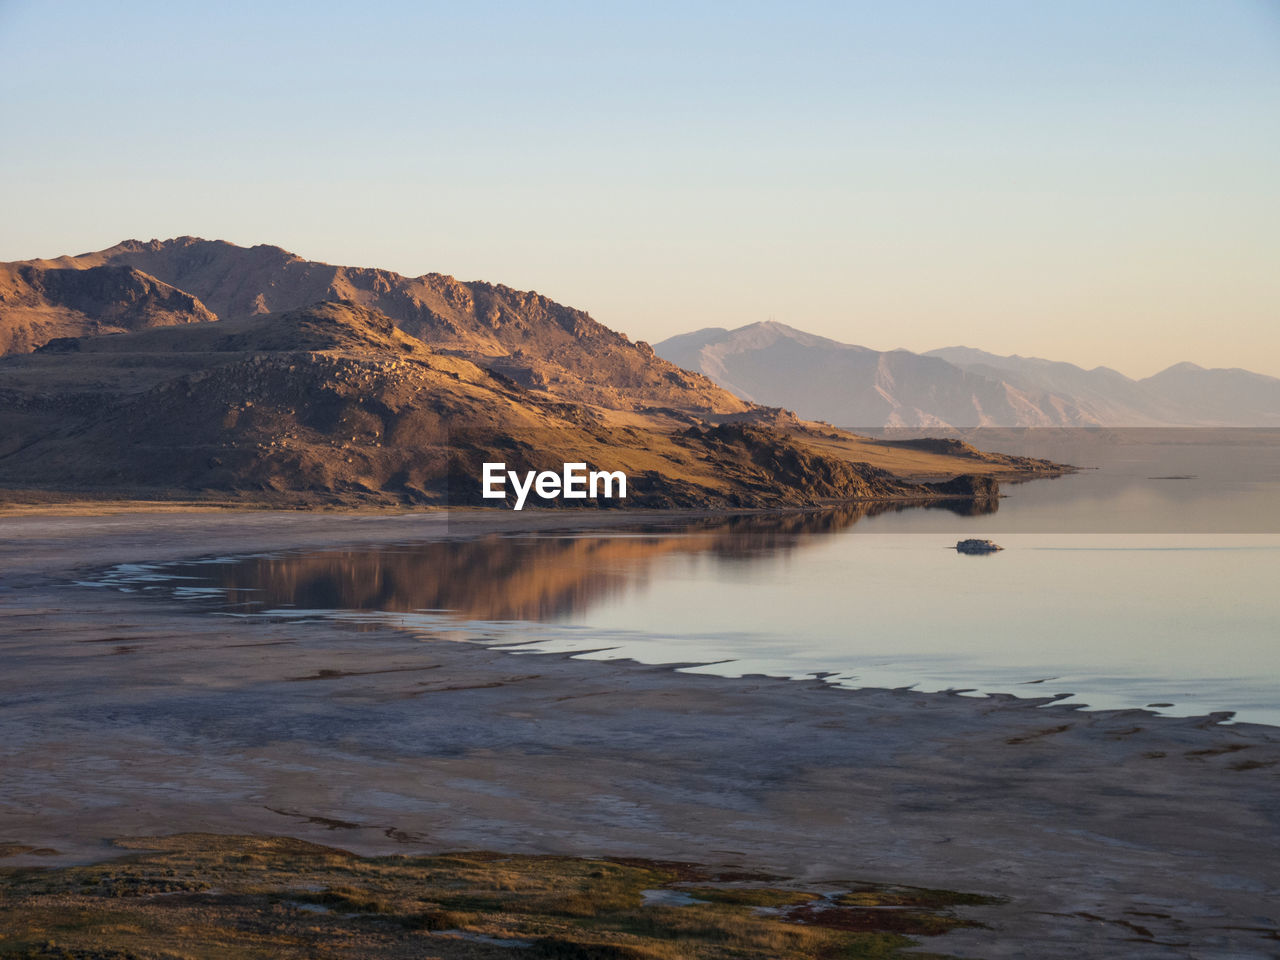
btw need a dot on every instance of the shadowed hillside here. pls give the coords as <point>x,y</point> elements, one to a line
<point>38,304</point>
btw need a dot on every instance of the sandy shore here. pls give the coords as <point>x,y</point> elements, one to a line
<point>1114,834</point>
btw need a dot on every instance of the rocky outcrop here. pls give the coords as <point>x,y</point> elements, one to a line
<point>967,486</point>
<point>39,304</point>
<point>758,459</point>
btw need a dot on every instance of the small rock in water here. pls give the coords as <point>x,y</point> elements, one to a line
<point>978,546</point>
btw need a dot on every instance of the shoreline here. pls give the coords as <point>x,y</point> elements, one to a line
<point>50,505</point>
<point>120,723</point>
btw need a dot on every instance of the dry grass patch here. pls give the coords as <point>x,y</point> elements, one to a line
<point>206,897</point>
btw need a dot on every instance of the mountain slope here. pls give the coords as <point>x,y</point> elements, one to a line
<point>527,337</point>
<point>333,403</point>
<point>1183,395</point>
<point>1228,396</point>
<point>856,387</point>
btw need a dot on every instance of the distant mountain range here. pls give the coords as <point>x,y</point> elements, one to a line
<point>853,386</point>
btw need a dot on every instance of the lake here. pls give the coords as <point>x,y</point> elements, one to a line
<point>1148,580</point>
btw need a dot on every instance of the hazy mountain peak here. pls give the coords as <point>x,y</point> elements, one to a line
<point>855,386</point>
<point>1193,371</point>
<point>1186,366</point>
<point>774,331</point>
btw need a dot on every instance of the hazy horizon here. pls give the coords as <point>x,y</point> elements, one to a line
<point>1093,184</point>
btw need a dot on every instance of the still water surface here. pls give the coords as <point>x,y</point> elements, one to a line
<point>1117,586</point>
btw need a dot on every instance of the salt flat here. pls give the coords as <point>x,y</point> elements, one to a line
<point>1112,833</point>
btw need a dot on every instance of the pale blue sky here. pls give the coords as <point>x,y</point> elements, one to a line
<point>1090,181</point>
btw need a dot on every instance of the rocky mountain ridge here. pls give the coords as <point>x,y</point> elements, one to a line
<point>527,337</point>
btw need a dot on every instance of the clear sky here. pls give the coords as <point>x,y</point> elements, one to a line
<point>1095,181</point>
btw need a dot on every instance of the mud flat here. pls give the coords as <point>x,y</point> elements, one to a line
<point>1107,833</point>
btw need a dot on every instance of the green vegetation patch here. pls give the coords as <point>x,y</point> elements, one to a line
<point>751,896</point>
<point>921,897</point>
<point>207,897</point>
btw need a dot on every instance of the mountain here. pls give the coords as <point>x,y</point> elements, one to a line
<point>1183,395</point>
<point>1106,396</point>
<point>962,387</point>
<point>335,404</point>
<point>857,387</point>
<point>1223,395</point>
<point>188,367</point>
<point>525,336</point>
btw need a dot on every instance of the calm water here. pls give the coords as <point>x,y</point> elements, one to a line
<point>1117,585</point>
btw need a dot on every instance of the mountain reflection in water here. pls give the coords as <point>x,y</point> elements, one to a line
<point>1116,587</point>
<point>497,577</point>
